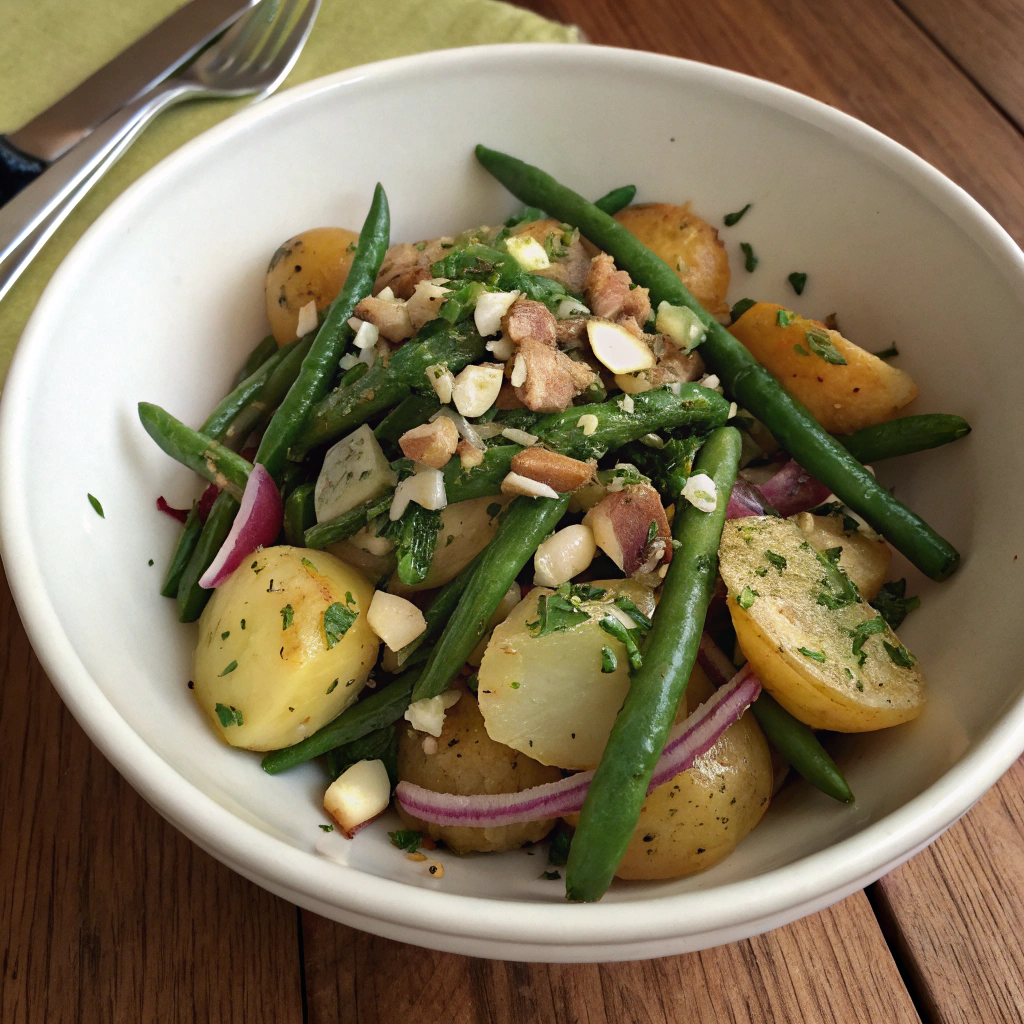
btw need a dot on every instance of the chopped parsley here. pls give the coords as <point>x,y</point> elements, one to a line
<point>887,353</point>
<point>558,848</point>
<point>333,686</point>
<point>406,839</point>
<point>609,662</point>
<point>741,307</point>
<point>779,561</point>
<point>472,683</point>
<point>551,876</point>
<point>785,317</point>
<point>514,685</point>
<point>337,622</point>
<point>750,261</point>
<point>632,611</point>
<point>349,599</point>
<point>731,219</point>
<point>150,561</point>
<point>652,531</point>
<point>97,507</point>
<point>747,596</point>
<point>560,611</point>
<point>229,668</point>
<point>326,828</point>
<point>493,509</point>
<point>228,715</point>
<point>243,623</point>
<point>892,603</point>
<point>899,655</point>
<point>813,655</point>
<point>798,281</point>
<point>616,629</point>
<point>822,345</point>
<point>287,616</point>
<point>862,632</point>
<point>800,350</point>
<point>225,634</point>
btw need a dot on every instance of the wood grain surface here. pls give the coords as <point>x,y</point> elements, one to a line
<point>108,914</point>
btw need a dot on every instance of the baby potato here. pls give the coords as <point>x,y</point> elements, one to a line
<point>310,266</point>
<point>552,695</point>
<point>688,244</point>
<point>468,761</point>
<point>696,819</point>
<point>823,653</point>
<point>842,397</point>
<point>284,647</point>
<point>865,559</point>
<point>466,529</point>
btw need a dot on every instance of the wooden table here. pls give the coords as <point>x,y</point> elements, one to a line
<point>108,914</point>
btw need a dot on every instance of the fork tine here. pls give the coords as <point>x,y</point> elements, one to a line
<point>245,39</point>
<point>282,53</point>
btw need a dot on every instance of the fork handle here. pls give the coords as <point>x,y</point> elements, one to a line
<point>17,169</point>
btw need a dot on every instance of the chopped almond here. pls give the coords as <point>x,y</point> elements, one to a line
<point>389,316</point>
<point>469,455</point>
<point>621,522</point>
<point>523,486</point>
<point>530,320</point>
<point>553,380</point>
<point>557,471</point>
<point>508,399</point>
<point>674,365</point>
<point>431,444</point>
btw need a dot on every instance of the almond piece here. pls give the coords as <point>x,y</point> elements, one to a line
<point>431,444</point>
<point>468,455</point>
<point>559,472</point>
<point>621,523</point>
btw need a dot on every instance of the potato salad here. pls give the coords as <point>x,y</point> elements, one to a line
<point>526,534</point>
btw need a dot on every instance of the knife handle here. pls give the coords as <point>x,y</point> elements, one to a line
<point>17,169</point>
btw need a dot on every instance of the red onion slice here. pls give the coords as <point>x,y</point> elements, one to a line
<point>746,500</point>
<point>257,524</point>
<point>181,514</point>
<point>793,490</point>
<point>696,736</point>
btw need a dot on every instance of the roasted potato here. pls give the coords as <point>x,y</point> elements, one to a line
<point>825,654</point>
<point>865,559</point>
<point>309,267</point>
<point>842,397</point>
<point>467,761</point>
<point>284,647</point>
<point>696,819</point>
<point>549,695</point>
<point>688,244</point>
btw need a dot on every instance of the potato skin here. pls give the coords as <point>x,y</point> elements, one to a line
<point>696,819</point>
<point>866,391</point>
<point>688,244</point>
<point>468,761</point>
<point>286,682</point>
<point>312,265</point>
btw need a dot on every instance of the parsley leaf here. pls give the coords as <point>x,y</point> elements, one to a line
<point>862,632</point>
<point>746,597</point>
<point>822,345</point>
<point>887,353</point>
<point>779,561</point>
<point>785,317</point>
<point>333,686</point>
<point>800,350</point>
<point>899,655</point>
<point>326,828</point>
<point>555,614</point>
<point>750,261</point>
<point>813,655</point>
<point>798,281</point>
<point>633,612</point>
<point>616,629</point>
<point>558,848</point>
<point>229,668</point>
<point>892,603</point>
<point>287,616</point>
<point>406,839</point>
<point>741,307</point>
<point>551,876</point>
<point>228,715</point>
<point>731,219</point>
<point>96,506</point>
<point>337,622</point>
<point>609,663</point>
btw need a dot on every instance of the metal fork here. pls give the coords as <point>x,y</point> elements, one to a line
<point>252,59</point>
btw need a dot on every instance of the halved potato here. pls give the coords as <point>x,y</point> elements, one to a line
<point>688,244</point>
<point>825,654</point>
<point>310,267</point>
<point>467,761</point>
<point>842,398</point>
<point>865,559</point>
<point>549,695</point>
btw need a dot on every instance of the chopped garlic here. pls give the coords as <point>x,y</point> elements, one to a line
<point>501,348</point>
<point>396,620</point>
<point>355,323</point>
<point>528,253</point>
<point>429,746</point>
<point>617,349</point>
<point>626,403</point>
<point>307,319</point>
<point>366,336</point>
<point>442,380</point>
<point>427,715</point>
<point>477,387</point>
<point>490,308</point>
<point>588,423</point>
<point>347,361</point>
<point>425,487</point>
<point>710,381</point>
<point>524,486</point>
<point>518,378</point>
<point>701,492</point>
<point>518,436</point>
<point>733,409</point>
<point>358,795</point>
<point>386,294</point>
<point>571,307</point>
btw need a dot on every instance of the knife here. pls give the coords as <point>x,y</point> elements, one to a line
<point>26,153</point>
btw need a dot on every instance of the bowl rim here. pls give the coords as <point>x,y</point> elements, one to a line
<point>783,892</point>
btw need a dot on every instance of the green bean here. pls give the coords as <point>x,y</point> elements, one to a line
<point>612,805</point>
<point>299,514</point>
<point>381,708</point>
<point>384,385</point>
<point>904,436</point>
<point>210,459</point>
<point>525,523</point>
<point>618,199</point>
<point>341,527</point>
<point>219,421</point>
<point>752,386</point>
<point>409,413</point>
<point>192,598</point>
<point>320,365</point>
<point>797,743</point>
<point>256,358</point>
<point>183,552</point>
<point>254,414</point>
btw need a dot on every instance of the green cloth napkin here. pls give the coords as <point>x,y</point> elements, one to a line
<point>48,46</point>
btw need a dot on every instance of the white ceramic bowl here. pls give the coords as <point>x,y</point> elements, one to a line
<point>164,294</point>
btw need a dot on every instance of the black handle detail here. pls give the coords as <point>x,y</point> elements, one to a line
<point>17,169</point>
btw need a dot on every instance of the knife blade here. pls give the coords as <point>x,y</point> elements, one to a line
<point>25,153</point>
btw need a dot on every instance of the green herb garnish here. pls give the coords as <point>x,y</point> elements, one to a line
<point>326,828</point>
<point>862,632</point>
<point>616,629</point>
<point>813,655</point>
<point>784,317</point>
<point>337,622</point>
<point>229,668</point>
<point>333,686</point>
<point>228,715</point>
<point>609,662</point>
<point>798,281</point>
<point>731,219</point>
<point>740,308</point>
<point>632,611</point>
<point>779,561</point>
<point>225,634</point>
<point>558,848</point>
<point>406,839</point>
<point>822,345</point>
<point>899,655</point>
<point>892,603</point>
<point>96,506</point>
<point>551,876</point>
<point>287,616</point>
<point>750,261</point>
<point>887,353</point>
<point>747,596</point>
